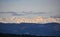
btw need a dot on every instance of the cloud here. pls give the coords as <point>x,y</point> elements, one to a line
<point>15,14</point>
<point>38,19</point>
<point>30,14</point>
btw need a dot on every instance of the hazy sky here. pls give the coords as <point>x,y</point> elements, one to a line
<point>30,5</point>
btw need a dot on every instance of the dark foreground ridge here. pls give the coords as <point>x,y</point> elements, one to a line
<point>14,35</point>
<point>29,29</point>
<point>23,35</point>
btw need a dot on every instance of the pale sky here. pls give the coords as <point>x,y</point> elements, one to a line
<point>31,5</point>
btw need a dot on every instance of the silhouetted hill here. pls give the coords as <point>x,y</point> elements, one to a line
<point>48,29</point>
